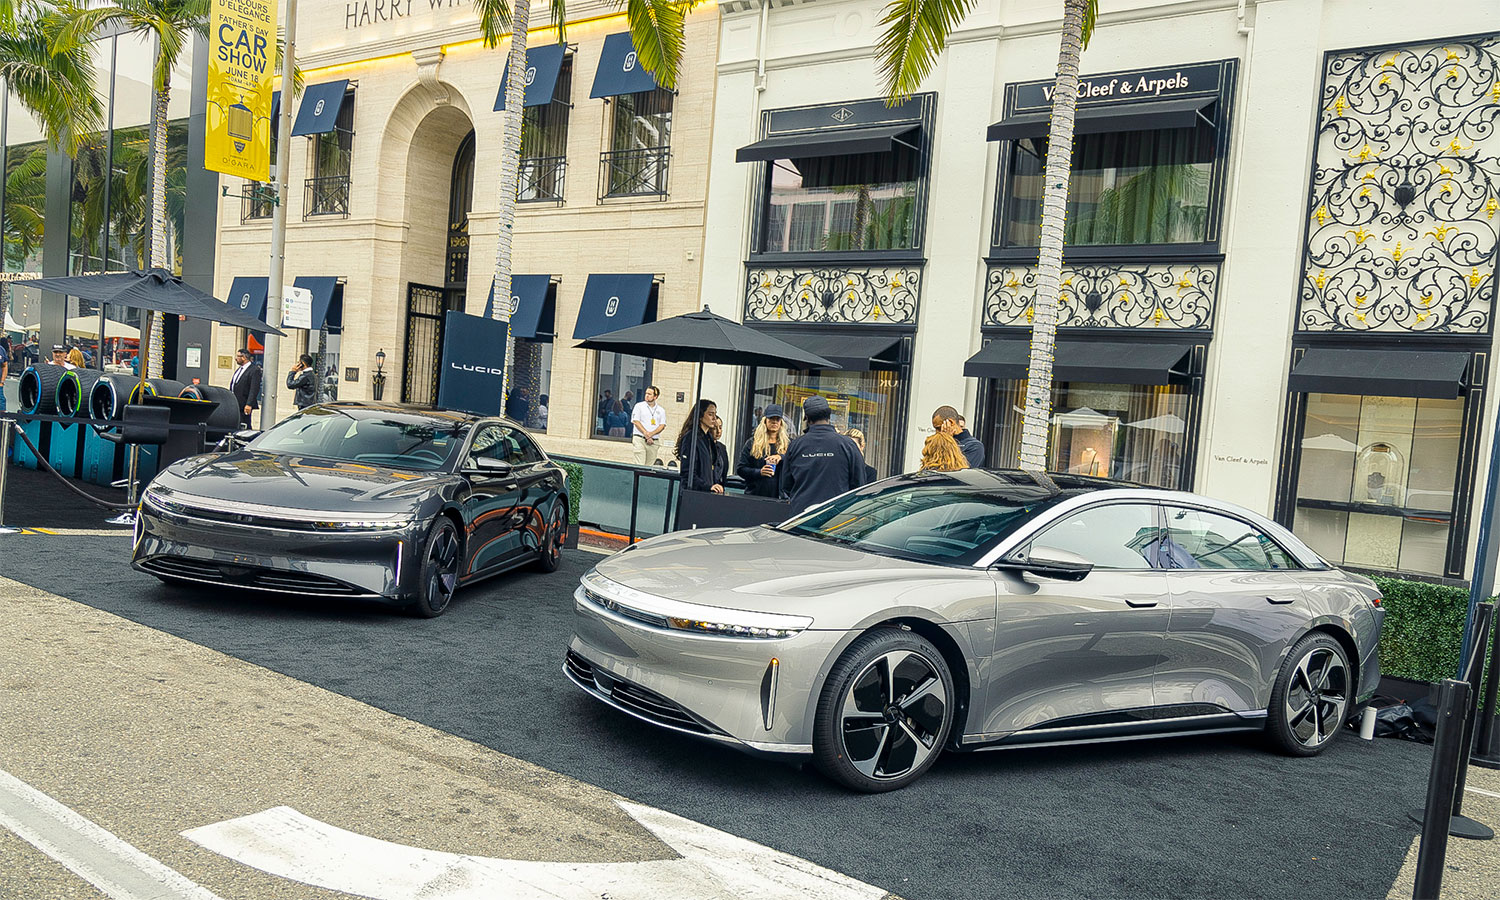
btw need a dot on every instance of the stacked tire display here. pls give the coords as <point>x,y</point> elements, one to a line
<point>225,418</point>
<point>39,389</point>
<point>74,390</point>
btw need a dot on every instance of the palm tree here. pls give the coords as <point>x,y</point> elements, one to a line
<point>52,80</point>
<point>656,28</point>
<point>916,32</point>
<point>172,23</point>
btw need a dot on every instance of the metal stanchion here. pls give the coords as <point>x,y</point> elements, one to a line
<point>128,516</point>
<point>1460,825</point>
<point>1487,751</point>
<point>4,471</point>
<point>1442,784</point>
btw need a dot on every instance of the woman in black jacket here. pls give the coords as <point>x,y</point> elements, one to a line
<point>304,381</point>
<point>760,454</point>
<point>708,469</point>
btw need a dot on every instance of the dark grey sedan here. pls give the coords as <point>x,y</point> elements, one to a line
<point>379,501</point>
<point>977,610</point>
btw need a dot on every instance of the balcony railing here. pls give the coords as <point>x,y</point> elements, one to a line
<point>257,201</point>
<point>542,179</point>
<point>634,173</point>
<point>326,196</point>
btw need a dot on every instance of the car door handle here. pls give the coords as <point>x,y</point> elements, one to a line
<point>1140,604</point>
<point>1281,601</point>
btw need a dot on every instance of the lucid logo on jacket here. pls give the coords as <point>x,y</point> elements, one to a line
<point>483,370</point>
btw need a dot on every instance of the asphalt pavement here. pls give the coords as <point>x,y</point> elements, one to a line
<point>1190,817</point>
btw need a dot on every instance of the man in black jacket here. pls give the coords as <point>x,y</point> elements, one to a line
<point>245,383</point>
<point>947,419</point>
<point>821,464</point>
<point>303,380</point>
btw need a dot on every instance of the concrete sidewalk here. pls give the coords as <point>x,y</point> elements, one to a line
<point>1473,867</point>
<point>148,735</point>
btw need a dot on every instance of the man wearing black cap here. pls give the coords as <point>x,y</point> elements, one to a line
<point>822,463</point>
<point>60,356</point>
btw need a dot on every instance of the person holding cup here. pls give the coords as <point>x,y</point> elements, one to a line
<point>761,453</point>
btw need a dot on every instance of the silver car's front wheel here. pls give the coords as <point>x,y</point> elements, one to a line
<point>1310,701</point>
<point>885,712</point>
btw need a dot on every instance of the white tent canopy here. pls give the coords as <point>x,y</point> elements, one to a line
<point>88,326</point>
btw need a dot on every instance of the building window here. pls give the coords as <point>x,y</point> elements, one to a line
<point>531,384</point>
<point>870,402</point>
<point>544,143</point>
<point>331,154</point>
<point>864,201</point>
<point>640,133</point>
<point>1132,187</point>
<point>1375,480</point>
<point>620,385</point>
<point>1127,431</point>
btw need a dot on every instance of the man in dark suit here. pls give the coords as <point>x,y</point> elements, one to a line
<point>245,383</point>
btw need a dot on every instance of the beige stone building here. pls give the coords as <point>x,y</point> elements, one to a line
<point>392,220</point>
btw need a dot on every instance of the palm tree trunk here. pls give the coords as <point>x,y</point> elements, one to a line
<point>159,257</point>
<point>1036,425</point>
<point>510,165</point>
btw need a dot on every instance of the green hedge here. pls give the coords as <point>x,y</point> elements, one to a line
<point>1423,631</point>
<point>575,489</point>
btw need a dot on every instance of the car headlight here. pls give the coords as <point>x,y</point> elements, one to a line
<point>677,615</point>
<point>363,525</point>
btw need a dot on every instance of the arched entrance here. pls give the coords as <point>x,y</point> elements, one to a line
<point>428,302</point>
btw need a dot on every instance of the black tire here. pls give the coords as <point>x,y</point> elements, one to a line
<point>442,556</point>
<point>549,555</point>
<point>225,418</point>
<point>38,387</point>
<point>874,732</point>
<point>1310,701</point>
<point>73,391</point>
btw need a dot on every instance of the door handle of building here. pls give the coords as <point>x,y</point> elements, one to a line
<point>1280,601</point>
<point>1139,604</point>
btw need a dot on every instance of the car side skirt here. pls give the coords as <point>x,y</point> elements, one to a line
<point>1118,731</point>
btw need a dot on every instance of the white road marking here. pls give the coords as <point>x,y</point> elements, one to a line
<point>1478,791</point>
<point>714,865</point>
<point>108,863</point>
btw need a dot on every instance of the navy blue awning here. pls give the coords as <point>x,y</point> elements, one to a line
<point>619,70</point>
<point>275,109</point>
<point>1180,113</point>
<point>319,110</point>
<point>542,65</point>
<point>612,302</point>
<point>323,288</point>
<point>534,314</point>
<point>247,293</point>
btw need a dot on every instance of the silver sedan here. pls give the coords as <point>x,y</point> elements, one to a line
<point>977,610</point>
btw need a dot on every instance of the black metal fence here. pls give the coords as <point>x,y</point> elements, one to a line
<point>634,173</point>
<point>326,196</point>
<point>542,179</point>
<point>257,201</point>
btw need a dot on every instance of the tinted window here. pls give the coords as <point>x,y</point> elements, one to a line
<point>938,519</point>
<point>1114,536</point>
<point>378,438</point>
<point>1205,540</point>
<point>505,444</point>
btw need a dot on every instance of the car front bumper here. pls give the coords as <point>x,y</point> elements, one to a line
<point>756,694</point>
<point>370,565</point>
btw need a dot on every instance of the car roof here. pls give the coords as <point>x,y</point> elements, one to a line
<point>455,416</point>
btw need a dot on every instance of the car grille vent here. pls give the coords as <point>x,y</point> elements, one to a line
<point>249,577</point>
<point>634,698</point>
<point>620,609</point>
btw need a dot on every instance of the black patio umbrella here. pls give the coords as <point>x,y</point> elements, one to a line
<point>154,290</point>
<point>703,337</point>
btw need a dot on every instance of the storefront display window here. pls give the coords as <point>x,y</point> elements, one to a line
<point>640,141</point>
<point>1133,187</point>
<point>1375,480</point>
<point>1132,432</point>
<point>621,384</point>
<point>864,201</point>
<point>867,401</point>
<point>531,384</point>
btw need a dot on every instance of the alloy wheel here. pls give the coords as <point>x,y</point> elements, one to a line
<point>442,568</point>
<point>557,534</point>
<point>893,714</point>
<point>1317,696</point>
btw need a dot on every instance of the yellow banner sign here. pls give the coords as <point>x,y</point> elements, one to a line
<point>242,61</point>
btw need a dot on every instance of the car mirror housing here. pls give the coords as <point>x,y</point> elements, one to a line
<point>1050,562</point>
<point>483,465</point>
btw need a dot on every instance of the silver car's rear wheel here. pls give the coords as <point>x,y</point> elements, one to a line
<point>885,712</point>
<point>1310,701</point>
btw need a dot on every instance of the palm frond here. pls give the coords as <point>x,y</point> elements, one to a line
<point>1090,16</point>
<point>915,32</point>
<point>55,84</point>
<point>298,80</point>
<point>656,29</point>
<point>560,19</point>
<point>494,20</point>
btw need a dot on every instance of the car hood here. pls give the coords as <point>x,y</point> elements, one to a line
<point>766,570</point>
<point>271,479</point>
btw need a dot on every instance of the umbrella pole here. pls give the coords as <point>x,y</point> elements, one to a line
<point>692,448</point>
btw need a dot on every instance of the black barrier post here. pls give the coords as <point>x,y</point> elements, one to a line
<point>635,499</point>
<point>1487,754</point>
<point>4,468</point>
<point>1460,825</point>
<point>1442,782</point>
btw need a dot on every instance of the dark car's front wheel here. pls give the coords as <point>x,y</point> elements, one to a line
<point>441,558</point>
<point>885,712</point>
<point>549,554</point>
<point>1310,700</point>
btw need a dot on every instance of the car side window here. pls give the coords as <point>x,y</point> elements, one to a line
<point>1112,536</point>
<point>506,444</point>
<point>1196,539</point>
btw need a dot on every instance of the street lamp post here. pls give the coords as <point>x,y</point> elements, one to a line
<point>272,365</point>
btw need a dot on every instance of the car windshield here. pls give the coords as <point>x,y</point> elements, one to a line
<point>377,437</point>
<point>928,518</point>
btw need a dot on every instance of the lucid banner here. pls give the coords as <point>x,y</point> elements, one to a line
<point>473,352</point>
<point>242,57</point>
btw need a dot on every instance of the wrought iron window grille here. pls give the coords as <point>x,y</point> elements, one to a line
<point>257,201</point>
<point>542,179</point>
<point>326,196</point>
<point>634,173</point>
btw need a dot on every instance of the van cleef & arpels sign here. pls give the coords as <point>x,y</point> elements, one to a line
<point>360,13</point>
<point>1118,87</point>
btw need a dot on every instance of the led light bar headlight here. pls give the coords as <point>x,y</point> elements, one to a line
<point>639,607</point>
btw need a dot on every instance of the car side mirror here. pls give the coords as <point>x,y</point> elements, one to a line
<point>1050,562</point>
<point>484,465</point>
<point>235,440</point>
